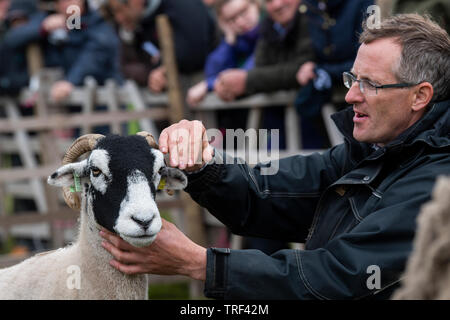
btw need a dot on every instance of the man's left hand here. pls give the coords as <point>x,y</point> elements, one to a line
<point>157,80</point>
<point>233,83</point>
<point>172,253</point>
<point>61,90</point>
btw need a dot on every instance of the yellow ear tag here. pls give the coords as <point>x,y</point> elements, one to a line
<point>162,184</point>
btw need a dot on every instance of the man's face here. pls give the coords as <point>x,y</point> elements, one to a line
<point>4,5</point>
<point>282,11</point>
<point>128,14</point>
<point>382,117</point>
<point>62,5</point>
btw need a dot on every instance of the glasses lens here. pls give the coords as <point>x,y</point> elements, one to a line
<point>368,89</point>
<point>348,81</point>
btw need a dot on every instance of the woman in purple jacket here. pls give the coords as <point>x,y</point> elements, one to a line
<point>238,20</point>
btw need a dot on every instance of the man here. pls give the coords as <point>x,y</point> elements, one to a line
<point>283,47</point>
<point>355,205</point>
<point>91,49</point>
<point>193,32</point>
<point>13,73</point>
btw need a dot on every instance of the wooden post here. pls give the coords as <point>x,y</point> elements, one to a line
<point>135,97</point>
<point>113,102</point>
<point>193,212</point>
<point>165,36</point>
<point>89,103</point>
<point>293,130</point>
<point>34,59</point>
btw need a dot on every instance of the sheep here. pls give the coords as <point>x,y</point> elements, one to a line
<point>119,180</point>
<point>427,276</point>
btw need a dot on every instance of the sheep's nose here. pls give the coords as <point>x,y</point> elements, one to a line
<point>143,223</point>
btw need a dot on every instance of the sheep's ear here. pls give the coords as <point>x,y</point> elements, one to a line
<point>172,179</point>
<point>64,176</point>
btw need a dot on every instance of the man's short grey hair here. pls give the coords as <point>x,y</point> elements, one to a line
<point>425,50</point>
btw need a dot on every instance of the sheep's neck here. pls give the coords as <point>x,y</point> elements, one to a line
<point>94,257</point>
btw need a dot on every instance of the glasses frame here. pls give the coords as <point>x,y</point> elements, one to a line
<point>384,86</point>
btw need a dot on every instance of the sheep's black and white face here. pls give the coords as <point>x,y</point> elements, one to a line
<point>120,179</point>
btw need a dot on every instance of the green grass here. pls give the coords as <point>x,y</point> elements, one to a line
<point>7,246</point>
<point>172,291</point>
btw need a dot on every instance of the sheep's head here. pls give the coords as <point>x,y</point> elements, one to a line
<point>119,180</point>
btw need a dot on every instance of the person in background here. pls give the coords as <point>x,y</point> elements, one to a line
<point>238,20</point>
<point>91,49</point>
<point>193,31</point>
<point>284,45</point>
<point>13,72</point>
<point>438,9</point>
<point>334,27</point>
<point>356,205</point>
<point>4,5</point>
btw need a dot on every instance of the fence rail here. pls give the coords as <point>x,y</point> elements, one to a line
<point>149,106</point>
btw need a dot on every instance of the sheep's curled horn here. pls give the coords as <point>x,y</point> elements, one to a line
<point>150,139</point>
<point>82,145</point>
<point>152,142</point>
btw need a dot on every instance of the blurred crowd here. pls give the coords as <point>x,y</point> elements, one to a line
<point>239,47</point>
<point>235,47</point>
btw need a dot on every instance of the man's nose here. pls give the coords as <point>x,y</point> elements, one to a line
<point>354,94</point>
<point>276,3</point>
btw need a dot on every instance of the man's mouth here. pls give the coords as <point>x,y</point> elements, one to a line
<point>359,116</point>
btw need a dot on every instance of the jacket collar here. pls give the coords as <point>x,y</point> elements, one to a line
<point>432,129</point>
<point>269,32</point>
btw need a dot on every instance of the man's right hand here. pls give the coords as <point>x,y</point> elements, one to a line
<point>187,144</point>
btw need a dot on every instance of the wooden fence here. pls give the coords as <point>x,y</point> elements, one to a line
<point>41,153</point>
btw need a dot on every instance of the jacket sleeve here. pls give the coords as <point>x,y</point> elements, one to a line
<point>193,37</point>
<point>100,53</point>
<point>220,59</point>
<point>256,202</point>
<point>267,76</point>
<point>21,36</point>
<point>347,267</point>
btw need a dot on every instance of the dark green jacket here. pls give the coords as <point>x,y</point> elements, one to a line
<point>438,9</point>
<point>355,207</point>
<point>278,57</point>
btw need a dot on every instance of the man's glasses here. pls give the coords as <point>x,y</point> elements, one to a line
<point>368,88</point>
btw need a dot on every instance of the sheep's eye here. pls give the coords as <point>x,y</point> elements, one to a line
<point>95,171</point>
<point>160,172</point>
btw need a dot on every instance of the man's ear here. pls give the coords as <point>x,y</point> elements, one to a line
<point>423,95</point>
<point>172,179</point>
<point>64,176</point>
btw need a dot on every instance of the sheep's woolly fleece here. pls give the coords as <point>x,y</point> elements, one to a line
<point>427,274</point>
<point>121,201</point>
